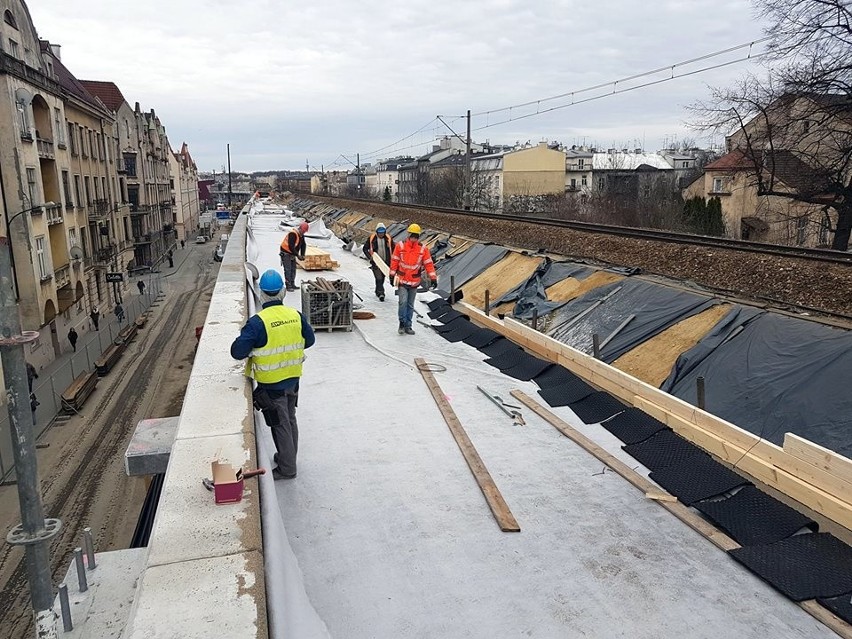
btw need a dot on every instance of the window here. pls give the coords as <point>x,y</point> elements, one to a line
<point>97,188</point>
<point>104,188</point>
<point>77,198</point>
<point>57,125</point>
<point>14,49</point>
<point>71,139</point>
<point>580,163</point>
<point>32,186</point>
<point>41,257</point>
<point>130,165</point>
<point>23,119</point>
<point>88,192</point>
<point>583,181</point>
<point>806,126</point>
<point>686,165</point>
<point>720,185</point>
<point>72,236</point>
<point>9,19</point>
<point>601,183</point>
<point>66,190</point>
<point>83,152</point>
<point>573,183</point>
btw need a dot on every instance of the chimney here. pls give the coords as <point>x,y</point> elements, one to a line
<point>56,50</point>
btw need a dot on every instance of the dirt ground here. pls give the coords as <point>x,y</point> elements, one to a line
<point>781,281</point>
<point>82,469</point>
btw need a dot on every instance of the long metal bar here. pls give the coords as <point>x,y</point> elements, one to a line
<point>617,330</point>
<point>33,533</point>
<point>82,582</point>
<point>65,609</point>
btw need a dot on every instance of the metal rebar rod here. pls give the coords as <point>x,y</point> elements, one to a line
<point>699,389</point>
<point>487,302</point>
<point>82,582</point>
<point>65,609</point>
<point>535,319</point>
<point>617,330</point>
<point>596,346</point>
<point>89,545</point>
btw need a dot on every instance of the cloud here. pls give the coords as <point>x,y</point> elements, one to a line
<point>285,81</point>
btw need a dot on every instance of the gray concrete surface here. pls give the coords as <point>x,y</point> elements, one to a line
<point>392,536</point>
<point>150,446</point>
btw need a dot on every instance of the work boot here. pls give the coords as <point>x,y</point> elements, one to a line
<point>401,330</point>
<point>381,297</point>
<point>409,330</point>
<point>277,474</point>
<point>291,288</point>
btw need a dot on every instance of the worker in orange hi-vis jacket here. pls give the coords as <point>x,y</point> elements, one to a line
<point>409,258</point>
<point>293,247</point>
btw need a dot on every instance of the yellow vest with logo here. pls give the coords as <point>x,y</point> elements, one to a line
<point>282,356</point>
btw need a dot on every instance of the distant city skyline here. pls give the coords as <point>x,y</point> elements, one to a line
<point>318,81</point>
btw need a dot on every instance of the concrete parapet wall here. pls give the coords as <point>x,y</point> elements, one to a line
<point>204,570</point>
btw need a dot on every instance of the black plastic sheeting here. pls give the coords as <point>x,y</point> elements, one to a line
<point>633,426</point>
<point>752,517</point>
<point>467,265</point>
<point>698,478</point>
<point>656,308</point>
<point>840,606</point>
<point>530,296</point>
<point>775,374</point>
<point>802,566</point>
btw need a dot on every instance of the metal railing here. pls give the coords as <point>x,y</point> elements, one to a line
<point>55,378</point>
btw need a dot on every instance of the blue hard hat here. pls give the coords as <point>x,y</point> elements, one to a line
<point>380,228</point>
<point>271,282</point>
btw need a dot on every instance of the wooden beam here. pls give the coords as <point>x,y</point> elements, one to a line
<point>804,473</point>
<point>489,489</point>
<point>677,508</point>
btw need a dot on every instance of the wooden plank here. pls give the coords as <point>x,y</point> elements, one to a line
<point>679,510</point>
<point>817,487</point>
<point>489,489</point>
<point>816,455</point>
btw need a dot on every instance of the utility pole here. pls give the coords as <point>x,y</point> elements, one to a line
<point>229,177</point>
<point>34,532</point>
<point>467,184</point>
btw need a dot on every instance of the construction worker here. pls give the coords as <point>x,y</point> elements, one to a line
<point>293,247</point>
<point>274,341</point>
<point>380,244</point>
<point>409,258</point>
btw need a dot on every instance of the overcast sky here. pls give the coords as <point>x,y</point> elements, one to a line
<point>285,82</point>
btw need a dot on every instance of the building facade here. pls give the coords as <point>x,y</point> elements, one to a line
<point>185,200</point>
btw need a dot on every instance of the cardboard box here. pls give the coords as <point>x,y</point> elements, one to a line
<point>227,483</point>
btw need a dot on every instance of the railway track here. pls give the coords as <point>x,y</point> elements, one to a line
<point>814,254</point>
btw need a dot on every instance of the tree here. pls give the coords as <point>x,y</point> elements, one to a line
<point>704,216</point>
<point>386,195</point>
<point>793,125</point>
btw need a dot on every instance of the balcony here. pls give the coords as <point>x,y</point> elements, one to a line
<point>15,67</point>
<point>62,276</point>
<point>99,209</point>
<point>53,214</point>
<point>104,255</point>
<point>45,149</point>
<point>136,210</point>
<point>142,239</point>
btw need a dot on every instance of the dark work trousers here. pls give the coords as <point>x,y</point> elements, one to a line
<point>286,432</point>
<point>288,261</point>
<point>380,279</point>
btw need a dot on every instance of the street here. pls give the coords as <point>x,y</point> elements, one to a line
<point>81,462</point>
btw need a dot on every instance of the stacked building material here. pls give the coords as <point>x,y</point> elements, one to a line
<point>328,304</point>
<point>317,260</point>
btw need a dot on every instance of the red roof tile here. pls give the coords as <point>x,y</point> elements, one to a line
<point>733,161</point>
<point>108,92</point>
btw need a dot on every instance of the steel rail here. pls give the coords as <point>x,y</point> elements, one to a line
<point>639,233</point>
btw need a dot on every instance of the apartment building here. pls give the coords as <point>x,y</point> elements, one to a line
<point>184,187</point>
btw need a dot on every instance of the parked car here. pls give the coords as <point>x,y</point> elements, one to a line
<point>200,239</point>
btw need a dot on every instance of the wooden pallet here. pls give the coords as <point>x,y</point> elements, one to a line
<point>76,394</point>
<point>317,260</point>
<point>109,358</point>
<point>128,333</point>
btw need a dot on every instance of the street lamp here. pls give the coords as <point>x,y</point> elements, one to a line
<point>8,235</point>
<point>34,532</point>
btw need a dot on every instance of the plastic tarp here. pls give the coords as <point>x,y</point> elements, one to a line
<point>654,306</point>
<point>317,229</point>
<point>776,375</point>
<point>465,266</point>
<point>530,296</point>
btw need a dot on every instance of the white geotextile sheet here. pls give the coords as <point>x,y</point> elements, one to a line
<point>388,534</point>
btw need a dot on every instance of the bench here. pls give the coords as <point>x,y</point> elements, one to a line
<point>76,394</point>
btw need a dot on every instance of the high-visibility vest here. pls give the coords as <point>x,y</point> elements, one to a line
<point>409,257</point>
<point>282,356</point>
<point>285,244</point>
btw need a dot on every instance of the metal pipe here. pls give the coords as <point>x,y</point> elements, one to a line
<point>487,302</point>
<point>34,532</point>
<point>89,545</point>
<point>65,609</point>
<point>596,345</point>
<point>82,582</point>
<point>699,389</point>
<point>535,319</point>
<point>617,330</point>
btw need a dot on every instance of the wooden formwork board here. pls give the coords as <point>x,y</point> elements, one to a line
<point>825,492</point>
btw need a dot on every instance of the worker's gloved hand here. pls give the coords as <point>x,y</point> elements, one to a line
<point>434,283</point>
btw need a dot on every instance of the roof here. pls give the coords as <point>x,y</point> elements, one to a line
<point>628,161</point>
<point>108,92</point>
<point>67,80</point>
<point>736,160</point>
<point>784,165</point>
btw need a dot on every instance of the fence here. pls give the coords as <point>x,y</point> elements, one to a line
<point>54,379</point>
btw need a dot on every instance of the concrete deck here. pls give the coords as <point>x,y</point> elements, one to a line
<point>388,535</point>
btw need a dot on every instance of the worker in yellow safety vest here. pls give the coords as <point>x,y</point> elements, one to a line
<point>274,341</point>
